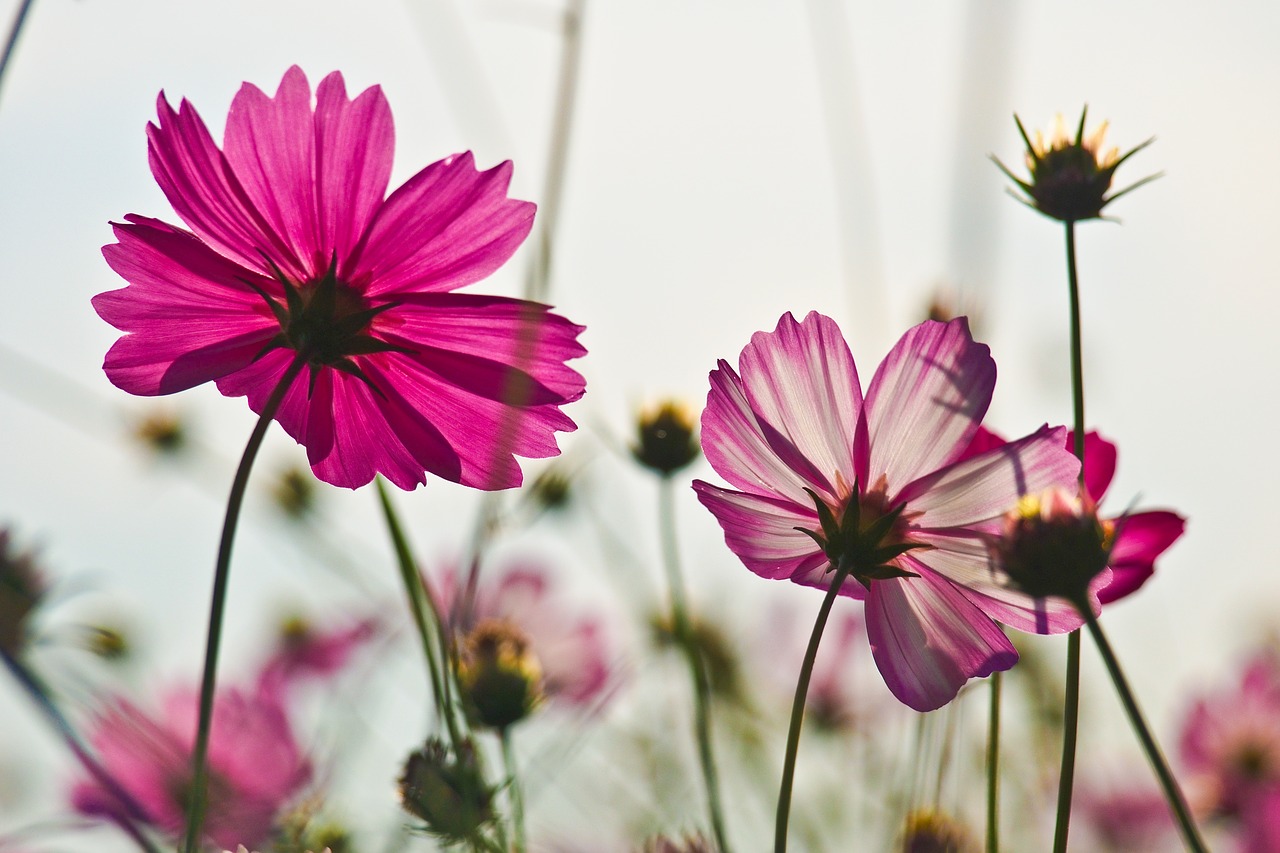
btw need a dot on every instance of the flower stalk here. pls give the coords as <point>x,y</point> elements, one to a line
<point>519,845</point>
<point>697,666</point>
<point>217,607</point>
<point>993,766</point>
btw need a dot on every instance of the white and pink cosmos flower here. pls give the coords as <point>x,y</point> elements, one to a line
<point>297,256</point>
<point>796,439</point>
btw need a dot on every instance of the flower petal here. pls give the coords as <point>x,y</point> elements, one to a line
<point>1099,462</point>
<point>928,639</point>
<point>199,183</point>
<point>926,400</point>
<point>974,493</point>
<point>270,145</point>
<point>190,316</point>
<point>1140,539</point>
<point>762,531</point>
<point>446,227</point>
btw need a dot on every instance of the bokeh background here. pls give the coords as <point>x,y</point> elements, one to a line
<point>724,162</point>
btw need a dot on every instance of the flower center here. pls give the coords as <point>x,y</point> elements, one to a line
<point>326,322</point>
<point>867,538</point>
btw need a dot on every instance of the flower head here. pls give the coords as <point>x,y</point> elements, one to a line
<point>498,675</point>
<point>1054,544</point>
<point>255,765</point>
<point>296,254</point>
<point>1137,538</point>
<point>1070,178</point>
<point>822,474</point>
<point>666,440</point>
<point>447,791</point>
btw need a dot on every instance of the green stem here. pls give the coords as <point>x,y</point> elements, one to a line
<point>697,666</point>
<point>12,41</point>
<point>517,797</point>
<point>221,574</point>
<point>44,701</point>
<point>420,602</point>
<point>1172,793</point>
<point>797,706</point>
<point>993,767</point>
<point>1071,693</point>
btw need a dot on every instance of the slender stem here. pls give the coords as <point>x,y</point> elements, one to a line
<point>44,701</point>
<point>517,797</point>
<point>1172,793</point>
<point>797,706</point>
<point>697,666</point>
<point>993,767</point>
<point>221,574</point>
<point>420,602</point>
<point>1071,693</point>
<point>12,41</point>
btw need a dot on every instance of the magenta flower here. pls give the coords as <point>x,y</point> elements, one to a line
<point>296,252</point>
<point>573,650</point>
<point>1139,537</point>
<point>256,766</point>
<point>809,458</point>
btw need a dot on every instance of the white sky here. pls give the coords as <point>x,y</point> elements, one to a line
<point>702,200</point>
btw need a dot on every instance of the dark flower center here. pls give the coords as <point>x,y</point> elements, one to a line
<point>867,538</point>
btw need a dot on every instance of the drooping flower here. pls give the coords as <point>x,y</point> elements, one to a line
<point>295,251</point>
<point>255,764</point>
<point>1138,537</point>
<point>572,650</point>
<point>1070,178</point>
<point>820,473</point>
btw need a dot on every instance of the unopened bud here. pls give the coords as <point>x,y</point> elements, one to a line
<point>666,437</point>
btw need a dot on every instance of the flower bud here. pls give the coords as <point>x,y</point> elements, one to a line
<point>448,792</point>
<point>500,678</point>
<point>1054,544</point>
<point>666,437</point>
<point>927,831</point>
<point>21,588</point>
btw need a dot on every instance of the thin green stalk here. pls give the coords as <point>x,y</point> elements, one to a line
<point>1071,701</point>
<point>993,767</point>
<point>420,602</point>
<point>797,706</point>
<point>697,666</point>
<point>1172,793</point>
<point>12,41</point>
<point>221,574</point>
<point>517,796</point>
<point>44,701</point>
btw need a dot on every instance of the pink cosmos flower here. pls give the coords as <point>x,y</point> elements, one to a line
<point>1139,538</point>
<point>812,461</point>
<point>295,251</point>
<point>572,650</point>
<point>255,764</point>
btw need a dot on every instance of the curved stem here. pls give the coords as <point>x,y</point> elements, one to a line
<point>1071,693</point>
<point>420,602</point>
<point>12,41</point>
<point>221,574</point>
<point>517,797</point>
<point>697,666</point>
<point>993,767</point>
<point>797,706</point>
<point>40,695</point>
<point>1172,793</point>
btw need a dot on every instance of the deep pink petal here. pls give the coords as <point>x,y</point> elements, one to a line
<point>761,531</point>
<point>974,493</point>
<point>982,441</point>
<point>928,639</point>
<point>189,314</point>
<point>802,389</point>
<point>1140,539</point>
<point>446,227</point>
<point>270,145</point>
<point>205,192</point>
<point>1099,462</point>
<point>926,401</point>
<point>355,142</point>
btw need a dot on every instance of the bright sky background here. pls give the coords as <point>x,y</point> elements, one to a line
<point>730,160</point>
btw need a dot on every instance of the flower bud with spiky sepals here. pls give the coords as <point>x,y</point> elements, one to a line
<point>447,791</point>
<point>666,437</point>
<point>1054,544</point>
<point>1070,178</point>
<point>499,676</point>
<point>21,589</point>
